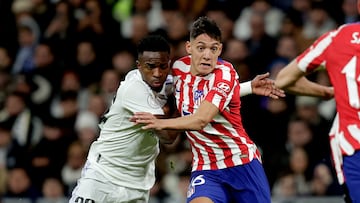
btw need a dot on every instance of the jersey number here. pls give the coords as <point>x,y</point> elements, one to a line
<point>352,82</point>
<point>82,200</point>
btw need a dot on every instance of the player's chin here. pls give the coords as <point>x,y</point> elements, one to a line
<point>156,86</point>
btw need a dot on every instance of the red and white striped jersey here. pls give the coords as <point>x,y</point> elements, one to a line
<point>223,142</point>
<point>339,52</point>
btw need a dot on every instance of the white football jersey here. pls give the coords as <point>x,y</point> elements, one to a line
<point>124,153</point>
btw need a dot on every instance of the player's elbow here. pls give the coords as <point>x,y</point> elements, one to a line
<point>200,123</point>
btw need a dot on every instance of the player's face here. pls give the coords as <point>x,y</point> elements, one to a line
<point>204,52</point>
<point>154,68</point>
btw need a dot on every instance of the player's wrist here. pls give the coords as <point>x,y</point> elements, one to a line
<point>245,88</point>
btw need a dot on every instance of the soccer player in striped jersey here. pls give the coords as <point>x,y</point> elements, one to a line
<point>339,52</point>
<point>226,162</point>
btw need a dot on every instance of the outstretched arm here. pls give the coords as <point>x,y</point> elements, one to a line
<point>196,121</point>
<point>261,85</point>
<point>293,80</point>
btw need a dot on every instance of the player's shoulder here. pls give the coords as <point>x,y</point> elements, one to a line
<point>348,28</point>
<point>183,61</point>
<point>224,65</point>
<point>133,80</point>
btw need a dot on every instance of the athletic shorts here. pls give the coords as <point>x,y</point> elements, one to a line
<point>241,184</point>
<point>352,175</point>
<point>92,187</point>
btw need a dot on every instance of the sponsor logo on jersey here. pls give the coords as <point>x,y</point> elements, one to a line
<point>222,88</point>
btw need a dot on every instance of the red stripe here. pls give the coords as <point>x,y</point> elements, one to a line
<point>222,145</point>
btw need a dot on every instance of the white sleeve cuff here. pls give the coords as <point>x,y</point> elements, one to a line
<point>245,88</point>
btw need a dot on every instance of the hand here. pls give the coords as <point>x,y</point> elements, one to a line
<point>262,85</point>
<point>150,120</point>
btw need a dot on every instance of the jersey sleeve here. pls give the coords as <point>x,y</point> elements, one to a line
<point>314,56</point>
<point>222,90</point>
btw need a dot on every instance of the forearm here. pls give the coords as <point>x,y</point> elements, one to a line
<point>185,123</point>
<point>306,87</point>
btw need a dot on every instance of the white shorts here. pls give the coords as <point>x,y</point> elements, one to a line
<point>92,187</point>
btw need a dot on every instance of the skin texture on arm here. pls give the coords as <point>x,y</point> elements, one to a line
<point>293,80</point>
<point>196,121</point>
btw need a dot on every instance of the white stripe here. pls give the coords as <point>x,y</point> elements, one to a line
<point>225,72</point>
<point>345,145</point>
<point>354,132</point>
<point>316,51</point>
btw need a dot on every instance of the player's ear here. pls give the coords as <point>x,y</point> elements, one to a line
<point>188,47</point>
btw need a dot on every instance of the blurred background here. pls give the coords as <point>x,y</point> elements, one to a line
<point>61,62</point>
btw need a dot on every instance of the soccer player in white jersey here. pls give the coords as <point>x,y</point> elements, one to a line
<point>120,165</point>
<point>226,162</point>
<point>339,52</point>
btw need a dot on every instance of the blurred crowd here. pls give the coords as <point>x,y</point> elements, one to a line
<point>61,62</point>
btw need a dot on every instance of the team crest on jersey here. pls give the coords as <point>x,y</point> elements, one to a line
<point>198,96</point>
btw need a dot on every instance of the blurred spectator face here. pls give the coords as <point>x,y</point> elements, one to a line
<point>257,25</point>
<point>142,6</point>
<point>321,180</point>
<point>177,27</point>
<point>18,181</point>
<point>51,132</point>
<point>97,105</point>
<point>287,48</point>
<point>43,56</point>
<point>76,3</point>
<point>93,10</point>
<point>226,25</point>
<point>123,62</point>
<point>14,105</point>
<point>85,53</point>
<point>25,36</point>
<point>286,187</point>
<point>70,81</point>
<point>350,7</point>
<point>235,50</point>
<point>299,133</point>
<point>5,137</point>
<point>306,108</point>
<point>318,16</point>
<point>109,81</point>
<point>5,59</point>
<point>301,5</point>
<point>52,188</point>
<point>298,160</point>
<point>139,28</point>
<point>260,6</point>
<point>276,106</point>
<point>76,156</point>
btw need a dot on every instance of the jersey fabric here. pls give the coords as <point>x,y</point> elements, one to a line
<point>221,186</point>
<point>124,153</point>
<point>93,187</point>
<point>339,52</point>
<point>223,142</point>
